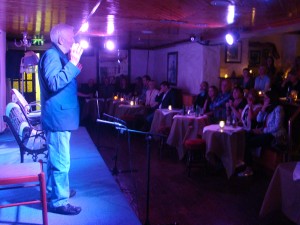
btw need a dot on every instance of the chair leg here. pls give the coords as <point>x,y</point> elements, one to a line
<point>43,198</point>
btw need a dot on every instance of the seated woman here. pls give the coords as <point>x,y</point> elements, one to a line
<point>272,116</point>
<point>236,105</point>
<point>249,113</point>
<point>209,102</point>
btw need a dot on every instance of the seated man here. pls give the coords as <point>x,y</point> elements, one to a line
<point>219,106</point>
<point>166,96</point>
<point>262,81</point>
<point>202,96</point>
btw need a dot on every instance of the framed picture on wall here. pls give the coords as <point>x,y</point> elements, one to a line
<point>233,53</point>
<point>172,68</point>
<point>254,57</point>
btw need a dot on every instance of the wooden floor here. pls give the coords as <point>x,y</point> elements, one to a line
<point>175,198</point>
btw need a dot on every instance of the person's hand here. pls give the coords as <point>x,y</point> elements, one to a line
<point>75,53</point>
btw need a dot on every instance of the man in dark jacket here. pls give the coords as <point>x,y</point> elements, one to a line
<point>166,96</point>
<point>58,68</point>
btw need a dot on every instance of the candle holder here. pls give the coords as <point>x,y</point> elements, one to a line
<point>169,107</point>
<point>116,97</point>
<point>131,103</point>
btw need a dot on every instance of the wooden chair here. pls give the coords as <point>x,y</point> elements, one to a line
<point>23,176</point>
<point>30,141</point>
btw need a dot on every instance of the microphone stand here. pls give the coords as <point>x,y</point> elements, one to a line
<point>118,126</point>
<point>148,144</point>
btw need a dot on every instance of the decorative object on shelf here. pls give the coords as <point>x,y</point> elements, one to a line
<point>172,66</point>
<point>26,43</point>
<point>233,53</point>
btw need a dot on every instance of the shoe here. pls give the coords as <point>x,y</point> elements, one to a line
<point>72,194</point>
<point>246,173</point>
<point>65,209</point>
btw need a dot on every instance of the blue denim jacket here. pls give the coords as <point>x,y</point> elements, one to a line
<point>59,103</point>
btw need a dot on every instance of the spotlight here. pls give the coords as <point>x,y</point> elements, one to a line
<point>231,38</point>
<point>109,45</point>
<point>84,44</point>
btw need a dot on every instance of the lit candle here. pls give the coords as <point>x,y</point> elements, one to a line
<point>131,103</point>
<point>116,97</point>
<point>226,75</point>
<point>260,93</point>
<point>170,107</point>
<point>222,124</point>
<point>121,99</point>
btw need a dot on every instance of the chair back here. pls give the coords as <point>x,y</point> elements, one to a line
<point>17,97</point>
<point>30,141</point>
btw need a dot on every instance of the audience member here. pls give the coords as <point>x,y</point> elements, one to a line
<point>202,96</point>
<point>166,96</point>
<point>219,106</point>
<point>291,83</point>
<point>151,94</point>
<point>146,79</point>
<point>138,88</point>
<point>271,69</point>
<point>249,113</point>
<point>271,116</point>
<point>247,81</point>
<point>123,88</point>
<point>210,101</point>
<point>163,99</point>
<point>236,105</point>
<point>262,81</point>
<point>106,89</point>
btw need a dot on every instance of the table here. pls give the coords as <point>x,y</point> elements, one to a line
<point>113,105</point>
<point>184,127</point>
<point>133,110</point>
<point>162,118</point>
<point>283,193</point>
<point>227,144</point>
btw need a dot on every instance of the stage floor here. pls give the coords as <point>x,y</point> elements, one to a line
<point>98,194</point>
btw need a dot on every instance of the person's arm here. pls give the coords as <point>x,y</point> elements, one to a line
<point>276,122</point>
<point>57,76</point>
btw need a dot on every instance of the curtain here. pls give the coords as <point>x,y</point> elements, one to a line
<point>2,79</point>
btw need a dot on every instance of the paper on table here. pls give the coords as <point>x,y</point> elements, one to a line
<point>296,173</point>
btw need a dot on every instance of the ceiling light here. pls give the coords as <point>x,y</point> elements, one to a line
<point>109,45</point>
<point>231,37</point>
<point>84,44</point>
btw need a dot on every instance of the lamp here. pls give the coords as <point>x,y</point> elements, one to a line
<point>24,42</point>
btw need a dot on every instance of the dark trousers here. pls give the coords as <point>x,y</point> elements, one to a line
<point>255,141</point>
